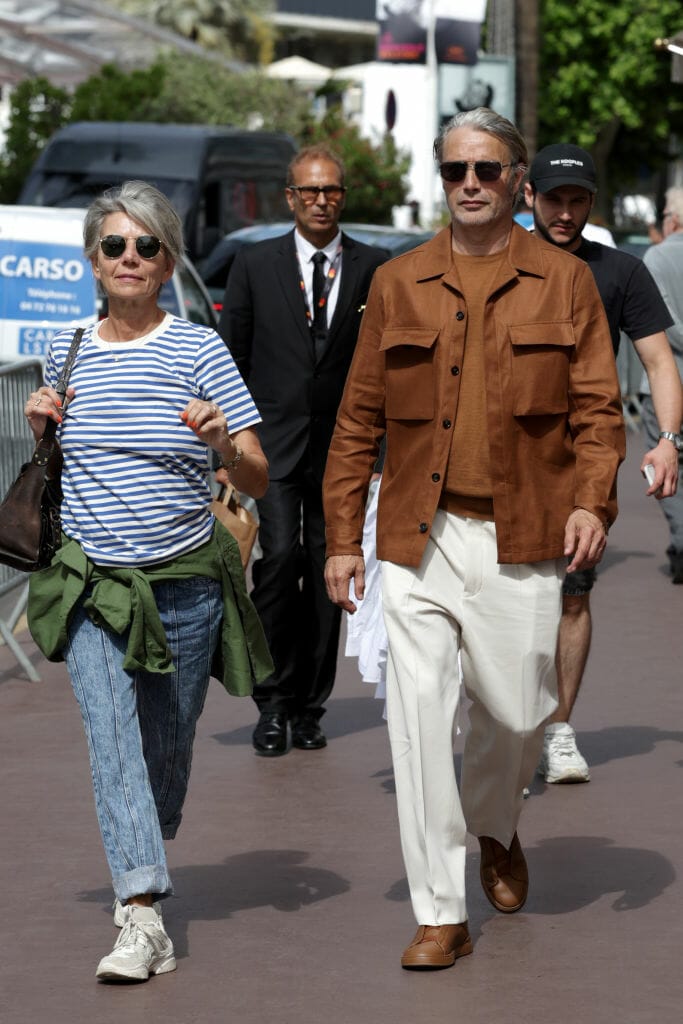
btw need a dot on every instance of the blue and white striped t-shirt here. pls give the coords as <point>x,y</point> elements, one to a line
<point>135,476</point>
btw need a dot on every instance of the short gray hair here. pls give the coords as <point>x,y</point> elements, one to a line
<point>141,202</point>
<point>482,119</point>
<point>674,201</point>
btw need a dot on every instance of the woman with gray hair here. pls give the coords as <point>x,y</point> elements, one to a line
<point>146,597</point>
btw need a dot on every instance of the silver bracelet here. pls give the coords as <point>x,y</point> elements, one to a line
<point>234,462</point>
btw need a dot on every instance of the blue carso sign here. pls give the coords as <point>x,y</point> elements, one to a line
<point>43,282</point>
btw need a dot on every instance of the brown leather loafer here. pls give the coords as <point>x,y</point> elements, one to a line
<point>436,946</point>
<point>504,875</point>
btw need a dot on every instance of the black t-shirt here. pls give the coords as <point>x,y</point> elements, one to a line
<point>631,298</point>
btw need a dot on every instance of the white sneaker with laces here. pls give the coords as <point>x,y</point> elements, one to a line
<point>142,948</point>
<point>561,760</point>
<point>120,912</point>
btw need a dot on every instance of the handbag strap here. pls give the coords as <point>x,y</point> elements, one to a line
<point>63,381</point>
<point>229,496</point>
<point>44,447</point>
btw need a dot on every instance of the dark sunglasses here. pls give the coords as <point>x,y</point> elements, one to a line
<point>113,246</point>
<point>309,193</point>
<point>485,170</point>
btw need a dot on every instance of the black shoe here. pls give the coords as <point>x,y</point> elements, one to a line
<point>307,734</point>
<point>270,735</point>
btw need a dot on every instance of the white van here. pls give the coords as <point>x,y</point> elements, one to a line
<point>46,284</point>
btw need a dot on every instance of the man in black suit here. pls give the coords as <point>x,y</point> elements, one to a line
<point>291,318</point>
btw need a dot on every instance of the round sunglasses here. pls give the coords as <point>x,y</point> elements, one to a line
<point>113,246</point>
<point>484,170</point>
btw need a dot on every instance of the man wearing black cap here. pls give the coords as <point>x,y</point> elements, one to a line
<point>561,192</point>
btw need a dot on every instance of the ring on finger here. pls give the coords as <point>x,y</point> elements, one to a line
<point>38,401</point>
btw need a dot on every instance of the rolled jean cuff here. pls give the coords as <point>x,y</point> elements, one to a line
<point>153,879</point>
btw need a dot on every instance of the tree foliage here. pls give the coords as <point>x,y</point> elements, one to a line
<point>116,95</point>
<point>375,172</point>
<point>603,85</point>
<point>189,91</point>
<point>37,108</point>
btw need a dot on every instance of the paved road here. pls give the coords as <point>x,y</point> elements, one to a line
<point>292,905</point>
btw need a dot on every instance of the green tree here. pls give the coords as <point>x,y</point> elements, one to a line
<point>37,108</point>
<point>248,100</point>
<point>603,86</point>
<point>375,172</point>
<point>174,88</point>
<point>116,95</point>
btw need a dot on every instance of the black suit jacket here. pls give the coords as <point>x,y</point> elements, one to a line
<point>264,325</point>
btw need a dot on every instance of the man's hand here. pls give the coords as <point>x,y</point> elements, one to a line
<point>664,458</point>
<point>585,539</point>
<point>339,569</point>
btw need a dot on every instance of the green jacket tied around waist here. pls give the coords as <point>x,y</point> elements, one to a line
<point>122,598</point>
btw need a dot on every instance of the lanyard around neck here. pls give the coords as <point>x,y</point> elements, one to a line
<point>327,288</point>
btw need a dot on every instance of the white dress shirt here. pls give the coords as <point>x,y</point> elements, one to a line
<point>305,252</point>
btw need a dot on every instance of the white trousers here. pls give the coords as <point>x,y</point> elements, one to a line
<point>503,621</point>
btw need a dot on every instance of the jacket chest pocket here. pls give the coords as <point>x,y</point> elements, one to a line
<point>541,355</point>
<point>409,372</point>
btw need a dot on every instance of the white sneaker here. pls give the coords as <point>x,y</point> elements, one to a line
<point>121,911</point>
<point>561,760</point>
<point>142,948</point>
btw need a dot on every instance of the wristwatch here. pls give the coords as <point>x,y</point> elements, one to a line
<point>676,439</point>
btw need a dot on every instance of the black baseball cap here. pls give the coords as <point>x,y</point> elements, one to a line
<point>562,164</point>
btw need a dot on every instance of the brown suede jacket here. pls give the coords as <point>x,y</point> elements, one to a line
<point>555,425</point>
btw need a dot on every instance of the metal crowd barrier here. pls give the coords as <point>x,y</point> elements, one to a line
<point>17,380</point>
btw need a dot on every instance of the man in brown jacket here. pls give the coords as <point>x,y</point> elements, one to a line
<point>485,357</point>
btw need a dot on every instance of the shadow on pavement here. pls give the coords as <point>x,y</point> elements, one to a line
<point>344,717</point>
<point>619,741</point>
<point>568,873</point>
<point>261,878</point>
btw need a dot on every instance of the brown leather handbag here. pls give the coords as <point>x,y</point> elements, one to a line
<point>236,519</point>
<point>30,528</point>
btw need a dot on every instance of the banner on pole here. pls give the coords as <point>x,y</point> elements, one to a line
<point>404,26</point>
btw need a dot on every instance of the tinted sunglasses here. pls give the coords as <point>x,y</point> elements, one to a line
<point>113,246</point>
<point>485,170</point>
<point>309,193</point>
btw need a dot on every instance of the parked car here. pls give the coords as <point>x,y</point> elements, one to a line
<point>46,284</point>
<point>215,268</point>
<point>636,244</point>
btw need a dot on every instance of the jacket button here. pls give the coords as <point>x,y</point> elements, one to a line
<point>455,370</point>
<point>423,527</point>
<point>436,477</point>
<point>446,424</point>
<point>460,315</point>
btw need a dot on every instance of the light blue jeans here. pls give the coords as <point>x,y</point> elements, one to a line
<point>140,729</point>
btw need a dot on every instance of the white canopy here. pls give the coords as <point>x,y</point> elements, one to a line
<point>298,69</point>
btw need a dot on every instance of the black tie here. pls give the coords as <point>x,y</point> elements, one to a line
<point>319,313</point>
